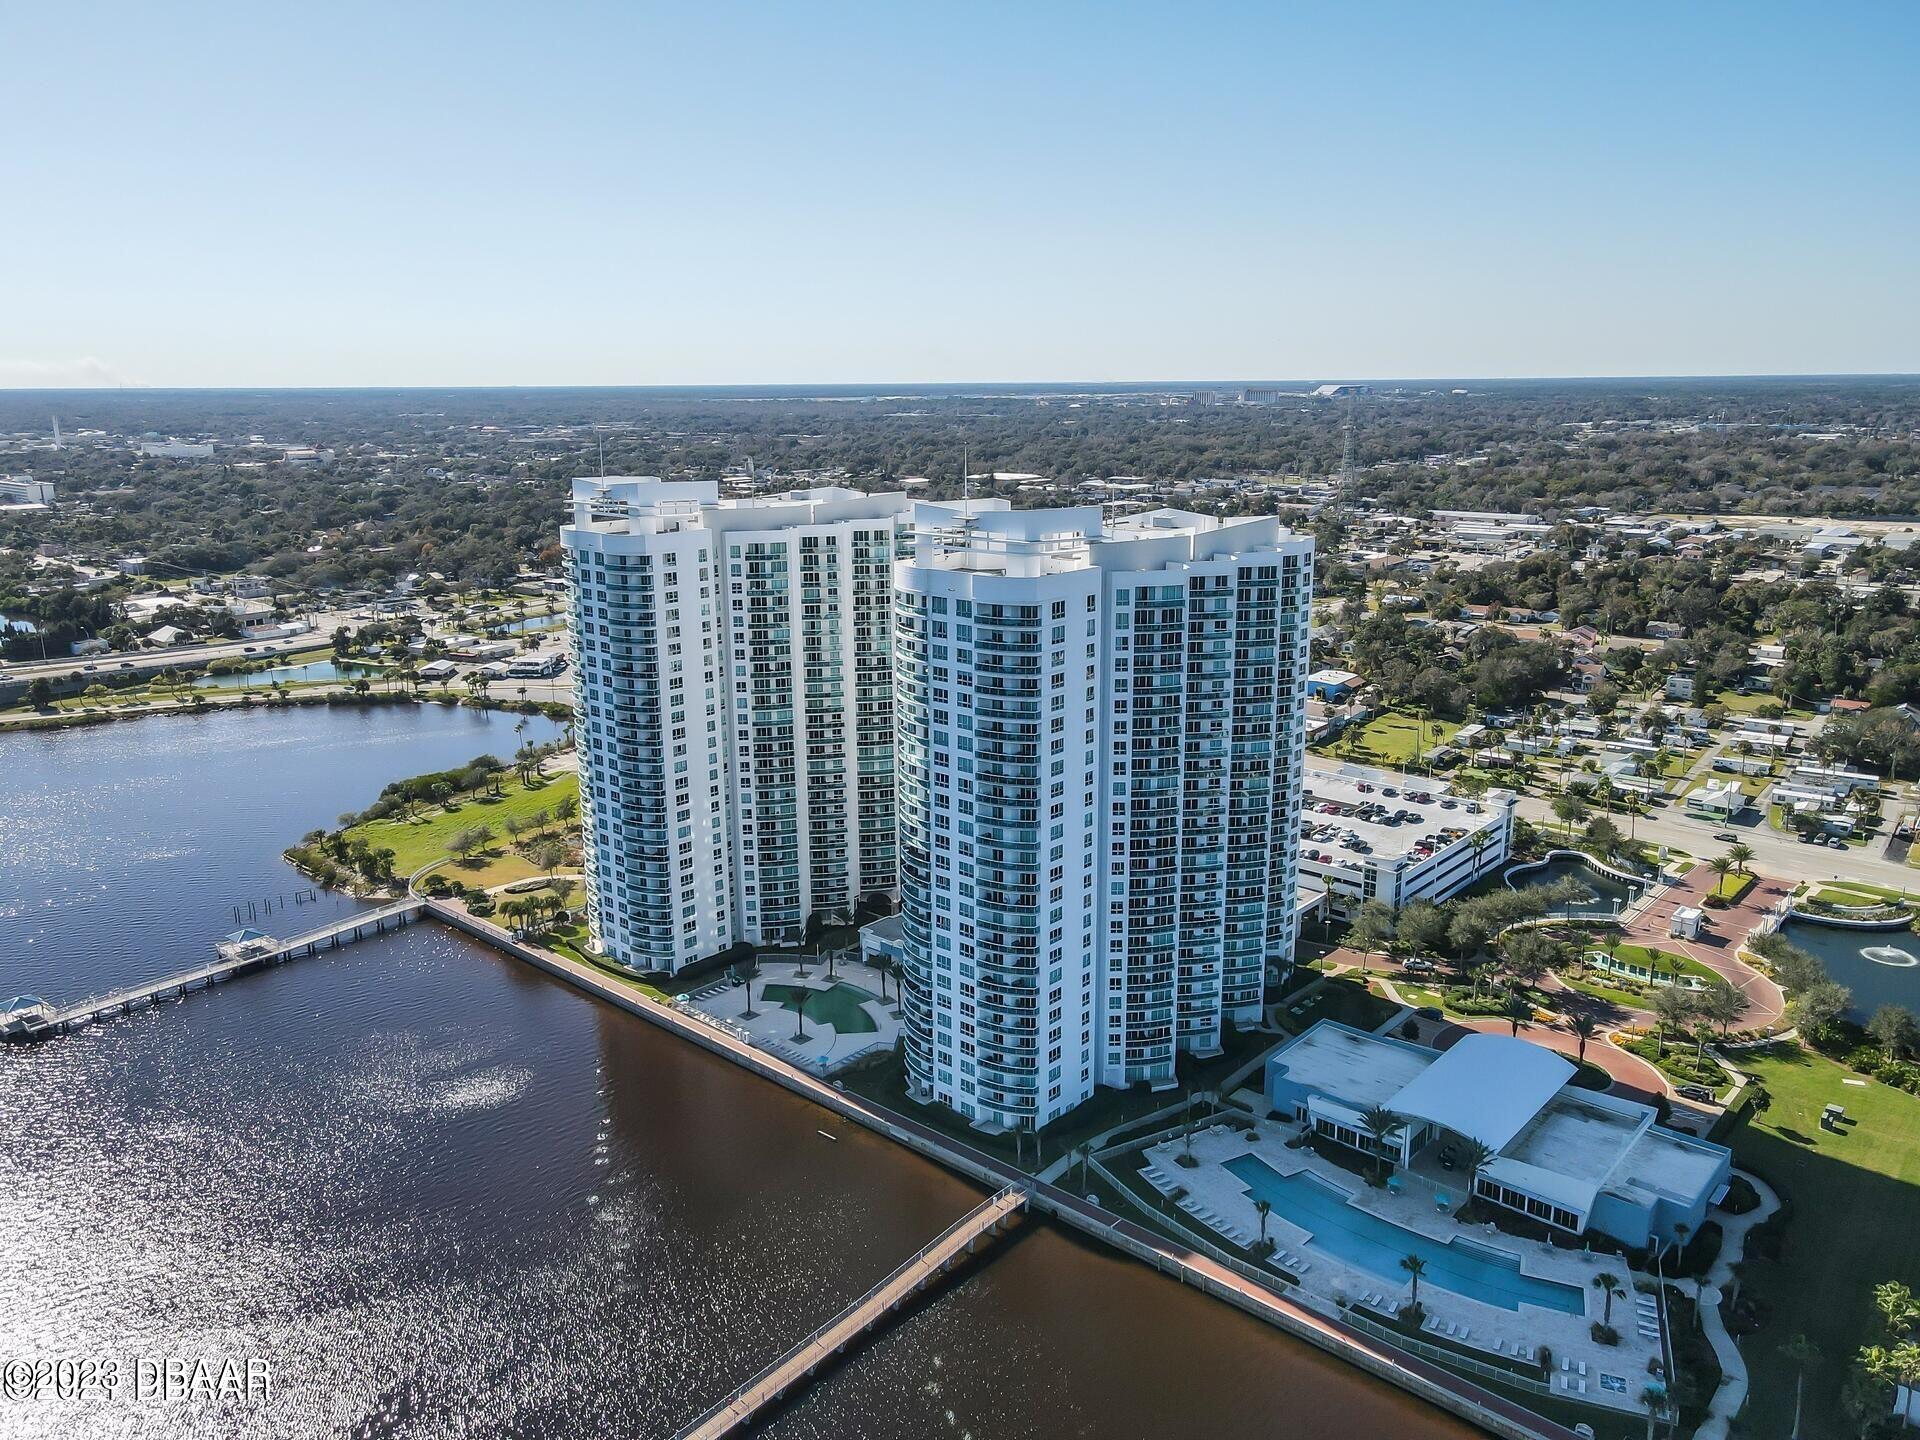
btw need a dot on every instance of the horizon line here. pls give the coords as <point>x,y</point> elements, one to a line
<point>886,385</point>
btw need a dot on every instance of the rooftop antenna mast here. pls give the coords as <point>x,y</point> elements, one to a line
<point>56,432</point>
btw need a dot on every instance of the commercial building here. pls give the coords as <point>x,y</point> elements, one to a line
<point>1571,1158</point>
<point>1332,684</point>
<point>25,490</point>
<point>1099,753</point>
<point>1368,834</point>
<point>733,694</point>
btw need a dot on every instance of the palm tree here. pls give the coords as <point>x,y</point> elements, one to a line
<point>1741,855</point>
<point>1518,1008</point>
<point>800,1015</point>
<point>1720,865</point>
<point>1415,1267</point>
<point>1381,1125</point>
<point>1803,1355</point>
<point>1083,1152</point>
<point>1583,1028</point>
<point>1654,1397</point>
<point>1608,1284</point>
<point>1263,1208</point>
<point>1475,1156</point>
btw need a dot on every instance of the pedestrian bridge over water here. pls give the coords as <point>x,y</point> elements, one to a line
<point>946,1250</point>
<point>235,958</point>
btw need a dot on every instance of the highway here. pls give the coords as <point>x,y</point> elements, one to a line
<point>324,623</point>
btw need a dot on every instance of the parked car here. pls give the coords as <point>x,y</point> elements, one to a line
<point>1695,1092</point>
<point>1418,967</point>
<point>1725,835</point>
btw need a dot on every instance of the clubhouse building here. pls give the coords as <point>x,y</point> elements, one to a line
<point>1571,1158</point>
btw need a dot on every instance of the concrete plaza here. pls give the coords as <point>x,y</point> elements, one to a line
<point>845,1018</point>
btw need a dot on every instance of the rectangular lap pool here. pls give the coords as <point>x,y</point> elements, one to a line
<point>1352,1235</point>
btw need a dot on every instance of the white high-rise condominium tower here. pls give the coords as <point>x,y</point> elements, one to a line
<point>734,710</point>
<point>1098,772</point>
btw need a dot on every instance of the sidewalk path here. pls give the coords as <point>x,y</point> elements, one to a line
<point>1732,1393</point>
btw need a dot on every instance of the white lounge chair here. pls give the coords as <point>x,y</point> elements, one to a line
<point>1583,1369</point>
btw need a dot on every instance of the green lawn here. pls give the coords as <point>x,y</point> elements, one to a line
<point>1344,999</point>
<point>1730,887</point>
<point>1853,1199</point>
<point>1612,994</point>
<point>1857,892</point>
<point>838,1006</point>
<point>1392,738</point>
<point>1663,962</point>
<point>1418,995</point>
<point>571,941</point>
<point>418,841</point>
<point>1738,704</point>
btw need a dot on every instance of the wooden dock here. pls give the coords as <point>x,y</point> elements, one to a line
<point>233,960</point>
<point>821,1347</point>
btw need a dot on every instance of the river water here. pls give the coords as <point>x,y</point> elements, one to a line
<point>443,1195</point>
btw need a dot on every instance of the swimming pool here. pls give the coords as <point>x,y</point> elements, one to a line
<point>1352,1235</point>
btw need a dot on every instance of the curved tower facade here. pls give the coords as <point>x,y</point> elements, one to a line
<point>1098,774</point>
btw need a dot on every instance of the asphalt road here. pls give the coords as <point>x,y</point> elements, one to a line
<point>323,627</point>
<point>1773,853</point>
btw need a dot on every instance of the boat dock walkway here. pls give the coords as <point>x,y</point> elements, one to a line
<point>820,1348</point>
<point>234,959</point>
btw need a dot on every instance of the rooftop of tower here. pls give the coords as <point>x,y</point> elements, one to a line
<point>643,504</point>
<point>1048,542</point>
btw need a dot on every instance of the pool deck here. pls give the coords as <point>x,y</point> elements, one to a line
<point>1218,1199</point>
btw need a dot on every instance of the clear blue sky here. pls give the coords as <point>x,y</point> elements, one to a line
<point>529,193</point>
